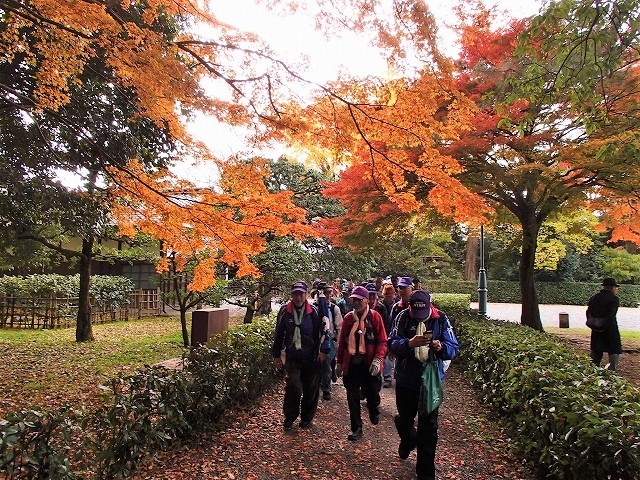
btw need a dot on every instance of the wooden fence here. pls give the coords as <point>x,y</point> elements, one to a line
<point>61,312</point>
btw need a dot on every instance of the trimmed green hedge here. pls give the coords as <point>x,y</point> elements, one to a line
<point>108,291</point>
<point>143,412</point>
<point>566,416</point>
<point>562,293</point>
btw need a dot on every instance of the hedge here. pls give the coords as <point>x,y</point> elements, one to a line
<point>142,413</point>
<point>561,293</point>
<point>108,291</point>
<point>566,416</point>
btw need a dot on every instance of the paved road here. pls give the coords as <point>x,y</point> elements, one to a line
<point>628,318</point>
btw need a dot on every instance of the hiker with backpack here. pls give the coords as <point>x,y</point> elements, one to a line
<point>300,333</point>
<point>362,346</point>
<point>332,318</point>
<point>421,338</point>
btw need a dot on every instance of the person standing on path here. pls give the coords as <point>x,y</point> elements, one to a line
<point>299,331</point>
<point>604,304</point>
<point>410,343</point>
<point>362,346</point>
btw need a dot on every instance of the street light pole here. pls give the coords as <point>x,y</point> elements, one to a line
<point>482,279</point>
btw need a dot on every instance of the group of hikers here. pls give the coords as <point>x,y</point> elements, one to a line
<point>382,330</point>
<point>370,334</point>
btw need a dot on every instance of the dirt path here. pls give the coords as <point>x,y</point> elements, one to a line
<point>254,447</point>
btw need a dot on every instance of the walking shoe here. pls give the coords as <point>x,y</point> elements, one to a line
<point>334,377</point>
<point>306,424</point>
<point>326,395</point>
<point>387,383</point>
<point>355,436</point>
<point>374,417</point>
<point>403,451</point>
<point>287,426</point>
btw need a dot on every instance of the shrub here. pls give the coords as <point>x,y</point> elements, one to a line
<point>143,412</point>
<point>567,416</point>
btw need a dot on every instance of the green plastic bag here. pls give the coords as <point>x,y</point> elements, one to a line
<point>431,393</point>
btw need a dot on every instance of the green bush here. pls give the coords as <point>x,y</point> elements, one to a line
<point>142,412</point>
<point>562,293</point>
<point>568,417</point>
<point>35,445</point>
<point>452,304</point>
<point>108,291</point>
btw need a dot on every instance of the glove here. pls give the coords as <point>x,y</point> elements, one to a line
<point>374,369</point>
<point>338,369</point>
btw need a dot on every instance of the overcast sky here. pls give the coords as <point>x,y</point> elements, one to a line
<point>293,37</point>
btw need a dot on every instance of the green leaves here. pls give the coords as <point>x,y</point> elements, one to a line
<point>567,416</point>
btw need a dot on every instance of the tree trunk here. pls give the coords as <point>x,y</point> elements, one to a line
<point>264,300</point>
<point>84,332</point>
<point>529,295</point>
<point>251,310</point>
<point>183,323</point>
<point>471,258</point>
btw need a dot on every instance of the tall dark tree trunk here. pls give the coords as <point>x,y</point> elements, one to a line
<point>183,323</point>
<point>471,258</point>
<point>529,295</point>
<point>84,331</point>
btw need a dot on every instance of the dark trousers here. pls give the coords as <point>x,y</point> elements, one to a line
<point>359,378</point>
<point>424,438</point>
<point>301,391</point>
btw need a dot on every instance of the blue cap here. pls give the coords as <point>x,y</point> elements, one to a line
<point>405,282</point>
<point>420,305</point>
<point>299,286</point>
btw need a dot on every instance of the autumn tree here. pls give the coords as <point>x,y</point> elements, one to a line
<point>143,53</point>
<point>525,145</point>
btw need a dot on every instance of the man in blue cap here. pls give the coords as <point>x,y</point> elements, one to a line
<point>299,331</point>
<point>405,288</point>
<point>419,329</point>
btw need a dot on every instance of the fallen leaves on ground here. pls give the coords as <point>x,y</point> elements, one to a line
<point>253,445</point>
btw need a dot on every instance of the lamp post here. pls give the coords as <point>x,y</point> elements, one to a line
<point>482,279</point>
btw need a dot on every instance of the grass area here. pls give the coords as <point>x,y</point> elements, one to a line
<point>626,335</point>
<point>48,368</point>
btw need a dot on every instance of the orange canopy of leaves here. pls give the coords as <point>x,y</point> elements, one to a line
<point>229,225</point>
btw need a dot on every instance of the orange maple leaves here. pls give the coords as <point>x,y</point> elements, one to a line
<point>227,225</point>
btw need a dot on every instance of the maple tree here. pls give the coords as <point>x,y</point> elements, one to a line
<point>143,52</point>
<point>520,147</point>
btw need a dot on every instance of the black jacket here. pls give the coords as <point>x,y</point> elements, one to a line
<point>605,304</point>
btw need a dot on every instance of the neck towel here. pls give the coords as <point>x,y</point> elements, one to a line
<point>297,318</point>
<point>358,328</point>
